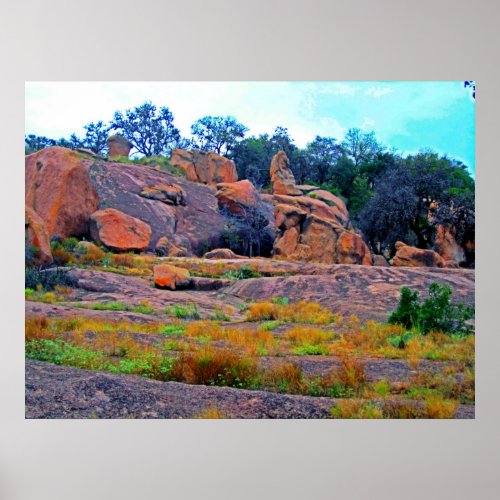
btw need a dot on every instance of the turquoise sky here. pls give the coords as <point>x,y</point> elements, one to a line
<point>406,115</point>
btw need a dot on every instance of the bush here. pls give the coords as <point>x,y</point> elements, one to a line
<point>436,313</point>
<point>187,311</point>
<point>242,274</point>
<point>48,279</point>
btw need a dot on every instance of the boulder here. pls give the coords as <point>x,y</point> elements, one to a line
<point>171,277</point>
<point>206,167</point>
<point>118,147</point>
<point>166,248</point>
<point>282,177</point>
<point>58,189</point>
<point>37,237</point>
<point>337,205</point>
<point>171,194</point>
<point>118,231</point>
<point>380,261</point>
<point>222,253</point>
<point>315,207</point>
<point>446,245</point>
<point>237,196</point>
<point>407,256</point>
<point>351,249</point>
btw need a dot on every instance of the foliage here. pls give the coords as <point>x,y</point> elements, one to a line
<point>436,313</point>
<point>241,274</point>
<point>46,278</point>
<point>217,133</point>
<point>186,311</point>
<point>150,131</point>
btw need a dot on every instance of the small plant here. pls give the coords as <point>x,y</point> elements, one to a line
<point>186,311</point>
<point>354,408</point>
<point>220,315</point>
<point>110,306</point>
<point>211,412</point>
<point>172,329</point>
<point>282,301</point>
<point>310,350</point>
<point>401,341</point>
<point>144,308</point>
<point>242,274</point>
<point>271,325</point>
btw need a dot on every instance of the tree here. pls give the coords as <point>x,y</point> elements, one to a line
<point>360,146</point>
<point>413,197</point>
<point>252,157</point>
<point>217,133</point>
<point>322,155</point>
<point>248,231</point>
<point>33,143</point>
<point>96,136</point>
<point>151,131</point>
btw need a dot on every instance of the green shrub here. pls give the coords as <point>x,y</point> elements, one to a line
<point>282,301</point>
<point>172,330</point>
<point>186,311</point>
<point>242,274</point>
<point>400,341</point>
<point>47,278</point>
<point>310,350</point>
<point>110,306</point>
<point>436,313</point>
<point>220,315</point>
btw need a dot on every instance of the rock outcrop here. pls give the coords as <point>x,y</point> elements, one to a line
<point>204,166</point>
<point>171,277</point>
<point>58,188</point>
<point>407,256</point>
<point>237,196</point>
<point>171,194</point>
<point>315,227</point>
<point>118,231</point>
<point>222,253</point>
<point>118,147</point>
<point>446,245</point>
<point>380,261</point>
<point>37,237</point>
<point>282,177</point>
<point>196,224</point>
<point>166,248</point>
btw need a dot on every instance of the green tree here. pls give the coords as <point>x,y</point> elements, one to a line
<point>322,155</point>
<point>150,130</point>
<point>96,136</point>
<point>217,133</point>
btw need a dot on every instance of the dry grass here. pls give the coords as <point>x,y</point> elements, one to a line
<point>211,413</point>
<point>303,335</point>
<point>286,377</point>
<point>213,366</point>
<point>298,312</point>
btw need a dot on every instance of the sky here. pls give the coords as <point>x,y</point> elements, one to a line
<point>408,116</point>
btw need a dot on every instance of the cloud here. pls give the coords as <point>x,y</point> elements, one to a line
<point>367,123</point>
<point>378,92</point>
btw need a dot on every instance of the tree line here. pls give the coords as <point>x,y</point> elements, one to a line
<point>390,197</point>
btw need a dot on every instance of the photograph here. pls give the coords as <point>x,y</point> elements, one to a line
<point>250,249</point>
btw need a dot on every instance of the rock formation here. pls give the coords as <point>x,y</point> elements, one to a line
<point>446,245</point>
<point>166,248</point>
<point>315,227</point>
<point>172,194</point>
<point>237,196</point>
<point>222,253</point>
<point>171,277</point>
<point>204,166</point>
<point>37,237</point>
<point>58,188</point>
<point>195,224</point>
<point>118,147</point>
<point>118,231</point>
<point>282,177</point>
<point>407,256</point>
